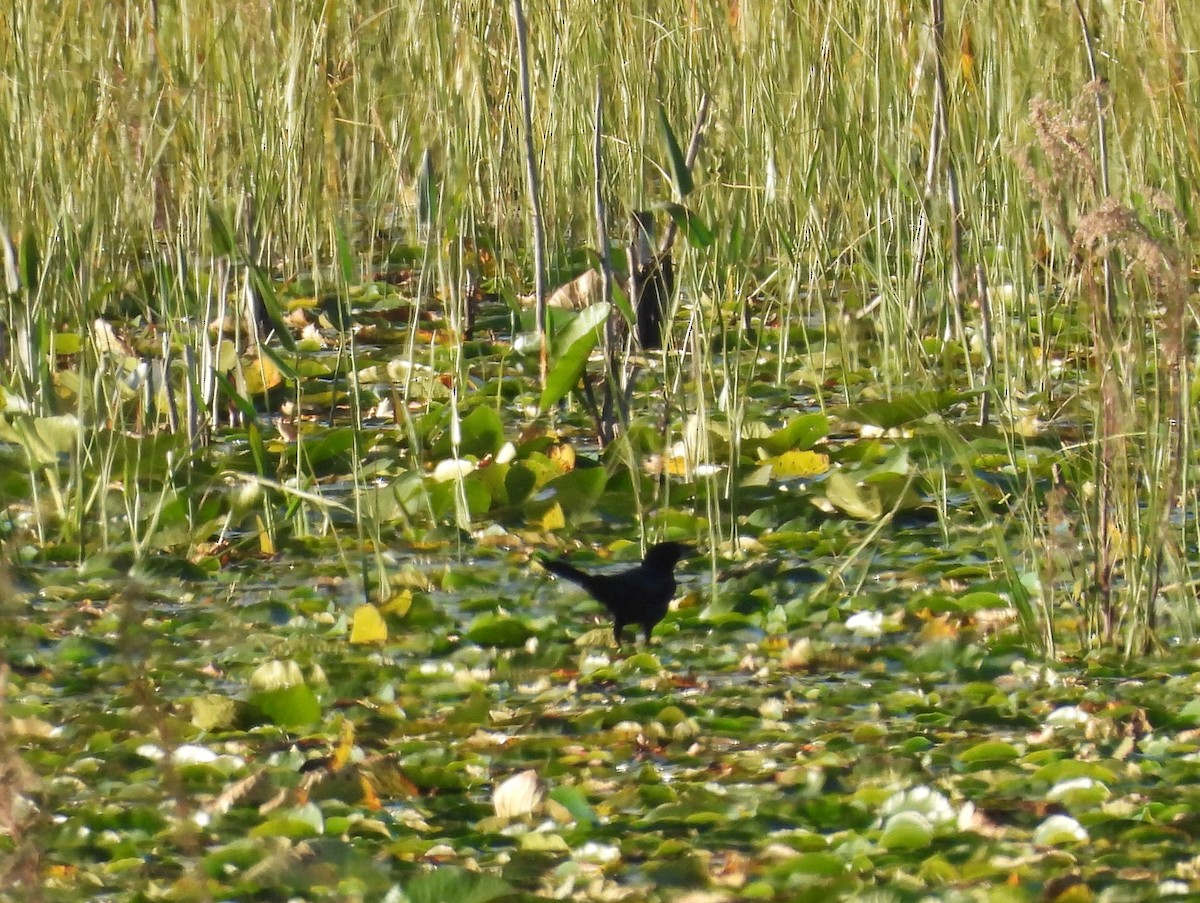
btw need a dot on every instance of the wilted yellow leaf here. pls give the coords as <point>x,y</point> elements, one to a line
<point>798,464</point>
<point>266,542</point>
<point>967,57</point>
<point>399,604</point>
<point>938,629</point>
<point>209,713</point>
<point>583,290</point>
<point>345,746</point>
<point>553,518</point>
<point>370,799</point>
<point>368,626</point>
<point>676,466</point>
<point>563,455</point>
<point>261,375</point>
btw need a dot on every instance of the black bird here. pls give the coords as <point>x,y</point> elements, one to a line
<point>639,595</point>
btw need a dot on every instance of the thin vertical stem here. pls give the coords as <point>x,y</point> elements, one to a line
<point>531,173</point>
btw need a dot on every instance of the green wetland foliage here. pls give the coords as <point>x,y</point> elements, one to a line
<point>279,448</point>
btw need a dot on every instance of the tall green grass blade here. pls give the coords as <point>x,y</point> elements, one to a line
<point>681,173</point>
<point>265,293</point>
<point>345,256</point>
<point>220,233</point>
<point>426,192</point>
<point>698,235</point>
<point>30,261</point>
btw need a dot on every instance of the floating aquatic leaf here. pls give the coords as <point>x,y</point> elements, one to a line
<point>292,707</point>
<point>906,831</point>
<point>792,464</point>
<point>990,753</point>
<point>447,883</point>
<point>498,630</point>
<point>368,626</point>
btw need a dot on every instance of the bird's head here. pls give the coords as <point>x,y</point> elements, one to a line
<point>666,554</point>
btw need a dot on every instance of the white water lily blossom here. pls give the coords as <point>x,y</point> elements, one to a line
<point>1058,830</point>
<point>866,623</point>
<point>1068,715</point>
<point>924,801</point>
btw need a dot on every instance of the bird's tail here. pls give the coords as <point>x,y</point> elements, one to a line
<point>564,570</point>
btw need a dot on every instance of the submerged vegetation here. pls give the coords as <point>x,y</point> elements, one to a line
<point>280,439</point>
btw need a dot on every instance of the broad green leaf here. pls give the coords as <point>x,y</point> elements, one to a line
<point>1066,769</point>
<point>1190,713</point>
<point>494,478</point>
<point>519,482</point>
<point>328,445</point>
<point>895,490</point>
<point>576,490</point>
<point>544,842</point>
<point>582,327</point>
<point>817,863</point>
<point>303,821</point>
<point>444,498</point>
<point>449,884</point>
<point>859,501</point>
<point>499,630</point>
<point>990,752</point>
<point>44,438</point>
<point>482,432</point>
<point>802,432</point>
<point>547,516</point>
<point>573,346</point>
<point>479,499</point>
<point>904,409</point>
<point>67,343</point>
<point>573,800</point>
<point>981,600</point>
<point>906,831</point>
<point>293,707</point>
<point>475,711</point>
